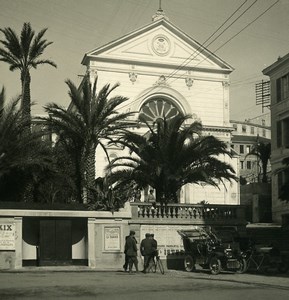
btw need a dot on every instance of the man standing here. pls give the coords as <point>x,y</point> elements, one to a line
<point>131,251</point>
<point>154,245</point>
<point>146,248</point>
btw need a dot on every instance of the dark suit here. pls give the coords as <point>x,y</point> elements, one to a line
<point>147,250</point>
<point>126,261</point>
<point>131,252</point>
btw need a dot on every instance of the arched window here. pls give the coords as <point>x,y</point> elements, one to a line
<point>158,108</point>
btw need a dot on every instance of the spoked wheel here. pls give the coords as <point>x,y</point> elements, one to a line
<point>283,267</point>
<point>160,266</point>
<point>152,267</point>
<point>242,266</point>
<point>189,263</point>
<point>215,266</point>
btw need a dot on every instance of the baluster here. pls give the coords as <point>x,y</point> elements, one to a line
<point>194,213</point>
<point>171,210</point>
<point>153,211</point>
<point>157,212</point>
<point>189,212</point>
<point>148,210</point>
<point>176,211</point>
<point>141,211</point>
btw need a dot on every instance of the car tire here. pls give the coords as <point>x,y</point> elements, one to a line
<point>189,263</point>
<point>215,266</point>
<point>243,266</point>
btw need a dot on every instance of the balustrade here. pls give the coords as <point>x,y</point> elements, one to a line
<point>216,212</point>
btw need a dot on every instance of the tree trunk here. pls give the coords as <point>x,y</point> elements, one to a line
<point>78,179</point>
<point>26,99</point>
<point>264,168</point>
<point>90,172</point>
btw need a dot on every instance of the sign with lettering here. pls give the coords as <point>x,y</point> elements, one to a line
<point>112,238</point>
<point>7,236</point>
<point>167,237</point>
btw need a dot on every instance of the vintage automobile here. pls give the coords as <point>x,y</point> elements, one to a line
<point>203,247</point>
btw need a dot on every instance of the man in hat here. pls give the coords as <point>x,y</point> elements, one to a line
<point>146,248</point>
<point>131,251</point>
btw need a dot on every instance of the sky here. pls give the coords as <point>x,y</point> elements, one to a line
<point>78,26</point>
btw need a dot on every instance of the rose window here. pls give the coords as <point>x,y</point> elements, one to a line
<point>156,109</point>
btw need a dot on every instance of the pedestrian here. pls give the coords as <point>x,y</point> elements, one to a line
<point>131,251</point>
<point>126,258</point>
<point>146,248</point>
<point>151,197</point>
<point>154,245</point>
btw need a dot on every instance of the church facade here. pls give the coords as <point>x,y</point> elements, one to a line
<point>163,72</point>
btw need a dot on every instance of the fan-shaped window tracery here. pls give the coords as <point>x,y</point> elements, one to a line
<point>158,108</point>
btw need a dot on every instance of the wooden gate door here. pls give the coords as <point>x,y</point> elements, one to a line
<point>55,243</point>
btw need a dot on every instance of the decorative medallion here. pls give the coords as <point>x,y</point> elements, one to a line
<point>161,45</point>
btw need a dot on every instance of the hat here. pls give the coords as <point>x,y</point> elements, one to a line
<point>148,234</point>
<point>131,232</point>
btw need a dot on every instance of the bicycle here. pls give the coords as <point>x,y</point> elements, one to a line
<point>265,259</point>
<point>156,263</point>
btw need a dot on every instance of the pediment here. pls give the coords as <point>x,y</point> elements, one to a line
<point>161,44</point>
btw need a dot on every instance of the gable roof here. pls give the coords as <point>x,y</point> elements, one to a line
<point>137,48</point>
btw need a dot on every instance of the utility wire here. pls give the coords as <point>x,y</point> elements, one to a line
<point>249,24</point>
<point>201,46</point>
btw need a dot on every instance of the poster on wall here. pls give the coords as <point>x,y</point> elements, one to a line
<point>7,236</point>
<point>112,238</point>
<point>168,239</point>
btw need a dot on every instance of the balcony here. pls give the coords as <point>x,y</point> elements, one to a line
<point>188,214</point>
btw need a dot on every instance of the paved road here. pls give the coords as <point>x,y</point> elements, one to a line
<point>110,285</point>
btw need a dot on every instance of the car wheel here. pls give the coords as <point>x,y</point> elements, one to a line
<point>283,267</point>
<point>189,263</point>
<point>243,266</point>
<point>215,266</point>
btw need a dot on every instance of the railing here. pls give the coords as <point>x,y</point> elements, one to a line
<point>196,212</point>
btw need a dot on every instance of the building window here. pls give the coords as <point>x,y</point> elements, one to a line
<point>282,178</point>
<point>235,127</point>
<point>242,164</point>
<point>249,166</point>
<point>282,88</point>
<point>282,133</point>
<point>248,148</point>
<point>244,128</point>
<point>264,132</point>
<point>158,108</point>
<point>242,149</point>
<point>252,130</point>
<point>286,133</point>
<point>279,134</point>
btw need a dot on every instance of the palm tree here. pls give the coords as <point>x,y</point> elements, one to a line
<point>23,54</point>
<point>92,119</point>
<point>263,152</point>
<point>170,156</point>
<point>21,156</point>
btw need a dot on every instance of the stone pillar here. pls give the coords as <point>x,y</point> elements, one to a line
<point>91,242</point>
<point>18,242</point>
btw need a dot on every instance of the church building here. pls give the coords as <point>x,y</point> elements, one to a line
<point>165,72</point>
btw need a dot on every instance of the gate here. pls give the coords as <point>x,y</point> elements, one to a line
<point>55,243</point>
